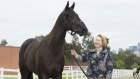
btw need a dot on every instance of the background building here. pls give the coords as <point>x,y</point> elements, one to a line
<point>120,50</point>
<point>139,47</point>
<point>9,57</point>
<point>133,48</point>
<point>113,51</point>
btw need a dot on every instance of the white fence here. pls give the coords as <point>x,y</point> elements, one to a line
<point>72,72</point>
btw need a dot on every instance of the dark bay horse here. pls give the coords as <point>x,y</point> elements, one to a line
<point>45,57</point>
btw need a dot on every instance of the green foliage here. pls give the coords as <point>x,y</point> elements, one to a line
<point>120,64</point>
<point>108,47</point>
<point>135,65</point>
<point>67,53</point>
<point>114,56</point>
<point>128,57</point>
<point>41,36</point>
<point>87,43</point>
<point>137,60</point>
<point>3,42</point>
<point>76,44</point>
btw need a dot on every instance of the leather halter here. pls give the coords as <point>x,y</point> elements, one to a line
<point>74,26</point>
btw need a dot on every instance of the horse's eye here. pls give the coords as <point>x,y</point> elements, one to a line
<point>66,15</point>
<point>72,16</point>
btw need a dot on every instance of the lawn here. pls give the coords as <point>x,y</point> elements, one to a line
<point>37,78</point>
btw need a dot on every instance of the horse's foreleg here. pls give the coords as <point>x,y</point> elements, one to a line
<point>58,77</point>
<point>136,75</point>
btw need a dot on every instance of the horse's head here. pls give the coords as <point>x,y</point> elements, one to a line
<point>73,22</point>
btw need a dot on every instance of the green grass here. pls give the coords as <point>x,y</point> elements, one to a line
<point>37,78</point>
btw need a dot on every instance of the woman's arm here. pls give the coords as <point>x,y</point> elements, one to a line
<point>83,58</point>
<point>109,65</point>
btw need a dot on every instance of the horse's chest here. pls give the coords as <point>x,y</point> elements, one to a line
<point>55,70</point>
<point>51,64</point>
<point>58,69</point>
<point>57,66</point>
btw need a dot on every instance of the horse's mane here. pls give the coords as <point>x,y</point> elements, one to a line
<point>58,28</point>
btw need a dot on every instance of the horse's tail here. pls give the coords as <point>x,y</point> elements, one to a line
<point>22,65</point>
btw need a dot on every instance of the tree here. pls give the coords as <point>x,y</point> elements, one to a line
<point>121,56</point>
<point>120,64</point>
<point>76,44</point>
<point>137,60</point>
<point>3,42</point>
<point>108,47</point>
<point>135,65</point>
<point>41,36</point>
<point>87,43</point>
<point>129,59</point>
<point>67,52</point>
<point>115,58</point>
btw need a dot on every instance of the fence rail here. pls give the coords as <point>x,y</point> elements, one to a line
<point>69,72</point>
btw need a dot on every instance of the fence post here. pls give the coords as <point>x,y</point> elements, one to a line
<point>77,74</point>
<point>118,73</point>
<point>19,74</point>
<point>122,72</point>
<point>67,74</point>
<point>2,73</point>
<point>81,75</point>
<point>71,68</point>
<point>72,74</point>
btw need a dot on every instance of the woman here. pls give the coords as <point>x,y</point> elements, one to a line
<point>100,60</point>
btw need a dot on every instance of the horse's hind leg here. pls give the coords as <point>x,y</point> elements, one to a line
<point>25,73</point>
<point>134,74</point>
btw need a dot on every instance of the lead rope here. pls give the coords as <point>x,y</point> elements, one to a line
<point>78,63</point>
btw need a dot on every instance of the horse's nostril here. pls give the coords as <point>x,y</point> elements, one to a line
<point>84,30</point>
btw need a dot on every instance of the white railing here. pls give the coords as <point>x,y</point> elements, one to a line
<point>72,72</point>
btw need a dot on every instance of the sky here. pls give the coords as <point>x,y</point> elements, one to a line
<point>118,20</point>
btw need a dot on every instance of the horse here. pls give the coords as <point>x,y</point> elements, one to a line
<point>136,72</point>
<point>45,57</point>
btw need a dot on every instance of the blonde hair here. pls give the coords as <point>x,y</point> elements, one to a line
<point>104,41</point>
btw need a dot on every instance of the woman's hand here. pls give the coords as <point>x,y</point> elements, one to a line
<point>73,52</point>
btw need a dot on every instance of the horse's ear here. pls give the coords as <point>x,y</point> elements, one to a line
<point>73,5</point>
<point>67,6</point>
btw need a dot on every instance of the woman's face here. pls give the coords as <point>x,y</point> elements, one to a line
<point>98,42</point>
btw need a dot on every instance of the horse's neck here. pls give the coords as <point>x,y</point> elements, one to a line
<point>57,35</point>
